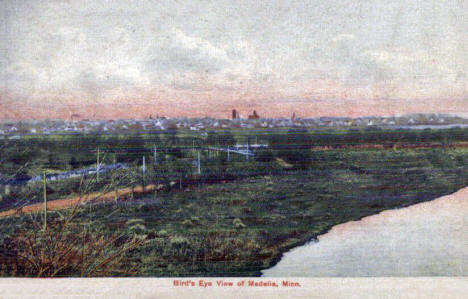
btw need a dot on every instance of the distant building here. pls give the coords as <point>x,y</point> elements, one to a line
<point>234,114</point>
<point>74,116</point>
<point>254,115</point>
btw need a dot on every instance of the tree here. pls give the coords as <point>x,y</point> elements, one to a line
<point>131,149</point>
<point>295,147</point>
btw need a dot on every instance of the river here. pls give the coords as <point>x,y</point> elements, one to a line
<point>66,175</point>
<point>432,127</point>
<point>426,239</point>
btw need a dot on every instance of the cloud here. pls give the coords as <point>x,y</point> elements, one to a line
<point>98,49</point>
<point>175,55</point>
<point>352,65</point>
<point>181,53</point>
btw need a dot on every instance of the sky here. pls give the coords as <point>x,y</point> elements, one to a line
<point>133,59</point>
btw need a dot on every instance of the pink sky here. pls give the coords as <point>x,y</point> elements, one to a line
<point>116,59</point>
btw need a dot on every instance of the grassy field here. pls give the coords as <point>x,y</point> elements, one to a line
<point>238,216</point>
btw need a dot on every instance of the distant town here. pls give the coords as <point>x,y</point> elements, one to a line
<point>14,129</point>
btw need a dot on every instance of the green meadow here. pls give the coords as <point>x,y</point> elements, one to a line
<point>234,217</point>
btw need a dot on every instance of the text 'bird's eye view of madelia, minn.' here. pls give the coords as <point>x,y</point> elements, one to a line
<point>233,139</point>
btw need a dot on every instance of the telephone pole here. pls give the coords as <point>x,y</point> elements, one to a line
<point>199,168</point>
<point>97,165</point>
<point>143,169</point>
<point>45,201</point>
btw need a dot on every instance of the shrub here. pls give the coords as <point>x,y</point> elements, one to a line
<point>163,233</point>
<point>179,241</point>
<point>238,223</point>
<point>64,249</point>
<point>136,227</point>
<point>187,222</point>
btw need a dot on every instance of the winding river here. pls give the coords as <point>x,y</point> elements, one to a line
<point>426,239</point>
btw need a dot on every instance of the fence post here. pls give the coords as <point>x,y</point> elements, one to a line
<point>45,201</point>
<point>247,156</point>
<point>199,168</point>
<point>143,169</point>
<point>97,165</point>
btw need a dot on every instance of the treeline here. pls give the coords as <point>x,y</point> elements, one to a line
<point>371,135</point>
<point>31,155</point>
<point>296,144</point>
<point>171,158</point>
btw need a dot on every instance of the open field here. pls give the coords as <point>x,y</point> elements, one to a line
<point>238,215</point>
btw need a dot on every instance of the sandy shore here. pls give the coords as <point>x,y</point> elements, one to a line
<point>426,239</point>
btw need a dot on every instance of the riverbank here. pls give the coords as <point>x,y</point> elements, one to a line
<point>426,239</point>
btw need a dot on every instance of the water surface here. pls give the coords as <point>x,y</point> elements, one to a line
<point>426,239</point>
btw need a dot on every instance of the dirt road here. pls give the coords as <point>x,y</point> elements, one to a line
<point>70,202</point>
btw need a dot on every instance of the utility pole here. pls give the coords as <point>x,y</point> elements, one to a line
<point>97,165</point>
<point>199,168</point>
<point>155,157</point>
<point>45,202</point>
<point>143,169</point>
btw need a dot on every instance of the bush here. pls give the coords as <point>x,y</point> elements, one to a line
<point>238,223</point>
<point>179,242</point>
<point>163,233</point>
<point>136,227</point>
<point>64,249</point>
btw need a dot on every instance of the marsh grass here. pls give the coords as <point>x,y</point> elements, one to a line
<point>67,246</point>
<point>232,220</point>
<point>65,249</point>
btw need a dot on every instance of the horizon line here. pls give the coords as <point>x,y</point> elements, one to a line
<point>454,115</point>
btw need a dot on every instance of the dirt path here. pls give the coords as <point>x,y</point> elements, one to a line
<point>70,202</point>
